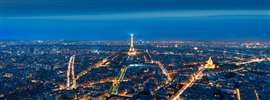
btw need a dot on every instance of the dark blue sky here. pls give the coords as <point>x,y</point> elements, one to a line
<point>148,19</point>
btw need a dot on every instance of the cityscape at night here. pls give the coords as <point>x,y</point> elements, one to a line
<point>134,50</point>
<point>134,70</point>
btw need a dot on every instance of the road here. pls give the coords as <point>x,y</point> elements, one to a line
<point>99,64</point>
<point>118,80</point>
<point>164,71</point>
<point>256,60</point>
<point>196,76</point>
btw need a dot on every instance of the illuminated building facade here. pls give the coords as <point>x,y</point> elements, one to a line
<point>209,64</point>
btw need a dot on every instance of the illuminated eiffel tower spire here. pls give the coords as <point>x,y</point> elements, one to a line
<point>131,51</point>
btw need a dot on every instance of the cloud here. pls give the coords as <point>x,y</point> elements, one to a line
<point>148,15</point>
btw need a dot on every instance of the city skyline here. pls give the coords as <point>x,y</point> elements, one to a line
<point>167,70</point>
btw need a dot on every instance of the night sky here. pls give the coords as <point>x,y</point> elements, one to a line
<point>148,19</point>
